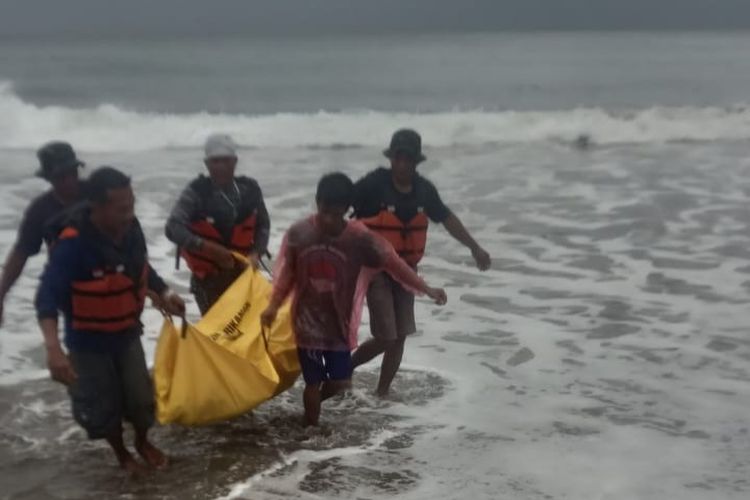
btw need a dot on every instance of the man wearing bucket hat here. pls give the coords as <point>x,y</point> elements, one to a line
<point>58,165</point>
<point>399,203</point>
<point>215,216</point>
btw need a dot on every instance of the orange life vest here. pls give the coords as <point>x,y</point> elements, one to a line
<point>408,239</point>
<point>109,301</point>
<point>241,241</point>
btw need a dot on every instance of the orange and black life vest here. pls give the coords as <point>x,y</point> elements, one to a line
<point>108,299</point>
<point>240,239</point>
<point>408,238</point>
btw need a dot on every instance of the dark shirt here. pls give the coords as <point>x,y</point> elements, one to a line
<point>375,191</point>
<point>221,206</point>
<point>74,259</point>
<point>31,233</point>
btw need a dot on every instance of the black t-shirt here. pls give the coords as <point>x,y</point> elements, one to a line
<point>31,233</point>
<point>375,191</point>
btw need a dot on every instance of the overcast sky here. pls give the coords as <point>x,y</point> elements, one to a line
<point>214,17</point>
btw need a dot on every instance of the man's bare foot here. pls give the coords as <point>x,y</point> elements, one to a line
<point>315,431</point>
<point>307,423</point>
<point>323,430</point>
<point>132,467</point>
<point>152,455</point>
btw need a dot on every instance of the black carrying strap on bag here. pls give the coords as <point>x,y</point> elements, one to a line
<point>264,334</point>
<point>183,327</point>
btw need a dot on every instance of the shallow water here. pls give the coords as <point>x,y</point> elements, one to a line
<point>47,456</point>
<point>603,356</point>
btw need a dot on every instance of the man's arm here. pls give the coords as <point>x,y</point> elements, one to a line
<point>155,283</point>
<point>177,229</point>
<point>455,228</point>
<point>283,282</point>
<point>163,297</point>
<point>379,254</point>
<point>262,226</point>
<point>14,265</point>
<point>404,274</point>
<point>52,295</point>
<point>58,363</point>
<point>438,212</point>
<point>285,275</point>
<point>28,243</point>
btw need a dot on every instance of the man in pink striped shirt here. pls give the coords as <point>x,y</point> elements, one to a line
<point>326,263</point>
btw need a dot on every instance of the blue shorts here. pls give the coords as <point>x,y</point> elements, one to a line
<point>319,366</point>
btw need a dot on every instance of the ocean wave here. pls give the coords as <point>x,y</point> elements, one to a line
<point>110,128</point>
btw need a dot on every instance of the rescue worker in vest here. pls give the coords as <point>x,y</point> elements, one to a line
<point>215,216</point>
<point>98,275</point>
<point>398,203</point>
<point>58,165</point>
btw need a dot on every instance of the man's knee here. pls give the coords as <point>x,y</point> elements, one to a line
<point>378,345</point>
<point>142,414</point>
<point>342,385</point>
<point>394,344</point>
<point>312,388</point>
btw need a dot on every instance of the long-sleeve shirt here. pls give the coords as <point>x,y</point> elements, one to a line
<point>77,259</point>
<point>221,205</point>
<point>328,278</point>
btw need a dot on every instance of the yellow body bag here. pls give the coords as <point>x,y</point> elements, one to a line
<point>225,365</point>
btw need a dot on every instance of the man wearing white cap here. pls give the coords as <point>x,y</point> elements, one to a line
<point>215,216</point>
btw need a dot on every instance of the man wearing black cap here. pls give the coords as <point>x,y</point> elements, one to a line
<point>399,203</point>
<point>58,165</point>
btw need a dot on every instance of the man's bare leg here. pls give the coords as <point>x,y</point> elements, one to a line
<point>150,453</point>
<point>368,350</point>
<point>394,352</point>
<point>311,398</point>
<point>332,387</point>
<point>126,460</point>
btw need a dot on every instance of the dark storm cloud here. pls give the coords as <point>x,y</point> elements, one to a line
<point>216,17</point>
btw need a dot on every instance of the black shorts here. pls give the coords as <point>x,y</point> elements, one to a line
<point>112,387</point>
